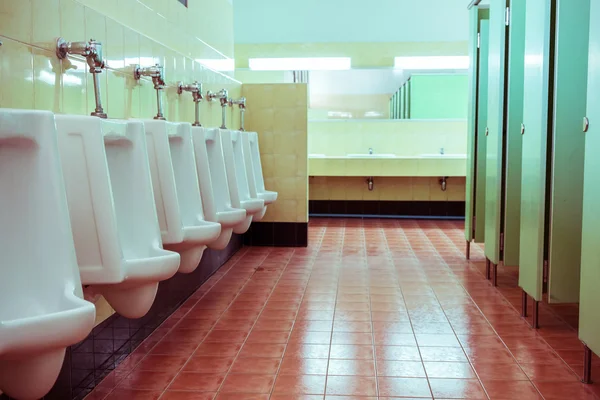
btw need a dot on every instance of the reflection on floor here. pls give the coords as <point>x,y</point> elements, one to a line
<point>371,309</point>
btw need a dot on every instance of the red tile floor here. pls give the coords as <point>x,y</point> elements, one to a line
<point>371,309</point>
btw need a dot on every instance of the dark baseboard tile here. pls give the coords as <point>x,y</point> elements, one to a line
<point>387,208</point>
<point>279,234</point>
<point>88,362</point>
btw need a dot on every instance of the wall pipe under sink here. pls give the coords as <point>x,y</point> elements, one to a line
<point>92,51</point>
<point>158,79</point>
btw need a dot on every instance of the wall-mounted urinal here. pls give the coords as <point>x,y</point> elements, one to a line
<point>214,189</point>
<point>254,165</point>
<point>113,215</point>
<point>237,178</point>
<point>176,192</point>
<point>42,310</point>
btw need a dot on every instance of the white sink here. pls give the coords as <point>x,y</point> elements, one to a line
<point>377,155</point>
<point>437,155</point>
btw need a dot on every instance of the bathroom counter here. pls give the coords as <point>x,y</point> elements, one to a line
<point>423,165</point>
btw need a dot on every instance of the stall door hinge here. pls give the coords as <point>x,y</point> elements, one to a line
<point>545,271</point>
<point>507,19</point>
<point>502,241</point>
<point>478,40</point>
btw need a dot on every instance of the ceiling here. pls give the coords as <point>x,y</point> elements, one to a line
<point>322,21</point>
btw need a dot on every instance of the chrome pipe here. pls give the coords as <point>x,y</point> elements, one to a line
<point>158,79</point>
<point>92,51</point>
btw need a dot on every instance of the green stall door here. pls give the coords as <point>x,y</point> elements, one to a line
<point>494,185</point>
<point>514,118</point>
<point>589,317</point>
<point>568,141</point>
<point>536,114</point>
<point>477,122</point>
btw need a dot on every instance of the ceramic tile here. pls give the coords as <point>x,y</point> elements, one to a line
<point>335,321</point>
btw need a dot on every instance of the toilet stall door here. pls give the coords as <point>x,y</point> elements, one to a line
<point>494,171</point>
<point>477,122</point>
<point>537,116</point>
<point>589,317</point>
<point>514,118</point>
<point>568,142</point>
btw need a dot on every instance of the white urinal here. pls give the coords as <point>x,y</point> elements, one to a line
<point>237,178</point>
<point>176,192</point>
<point>113,215</point>
<point>268,196</point>
<point>42,310</point>
<point>214,190</point>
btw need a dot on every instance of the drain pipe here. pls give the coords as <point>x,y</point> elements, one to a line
<point>370,183</point>
<point>443,182</point>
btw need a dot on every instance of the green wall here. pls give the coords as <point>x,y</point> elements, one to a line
<point>439,96</point>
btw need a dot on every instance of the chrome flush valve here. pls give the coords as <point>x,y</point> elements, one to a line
<point>223,96</point>
<point>158,79</point>
<point>241,102</point>
<point>92,51</point>
<point>196,89</point>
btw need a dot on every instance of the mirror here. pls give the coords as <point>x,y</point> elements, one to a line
<point>387,93</point>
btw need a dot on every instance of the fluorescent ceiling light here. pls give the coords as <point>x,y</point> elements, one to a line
<point>300,64</point>
<point>432,62</point>
<point>218,64</point>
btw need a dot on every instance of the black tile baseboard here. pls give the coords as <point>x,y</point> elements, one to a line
<point>387,208</point>
<point>89,361</point>
<point>280,234</point>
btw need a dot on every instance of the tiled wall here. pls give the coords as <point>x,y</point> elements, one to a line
<point>278,112</point>
<point>386,189</point>
<point>132,32</point>
<point>403,138</point>
<point>363,55</point>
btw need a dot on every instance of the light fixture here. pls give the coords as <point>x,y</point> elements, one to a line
<point>432,62</point>
<point>301,64</point>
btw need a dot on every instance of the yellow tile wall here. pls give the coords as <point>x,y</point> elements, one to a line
<point>141,32</point>
<point>363,55</point>
<point>278,112</point>
<point>400,137</point>
<point>132,32</point>
<point>386,188</point>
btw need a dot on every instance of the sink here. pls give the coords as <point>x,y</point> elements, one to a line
<point>366,155</point>
<point>437,155</point>
<point>316,156</point>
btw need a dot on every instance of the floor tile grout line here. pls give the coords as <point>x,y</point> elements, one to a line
<point>271,392</point>
<point>169,331</point>
<point>456,336</point>
<point>210,331</point>
<point>549,309</point>
<point>496,334</point>
<point>235,358</point>
<point>408,311</point>
<point>337,291</point>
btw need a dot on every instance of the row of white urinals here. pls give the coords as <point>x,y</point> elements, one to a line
<point>118,205</point>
